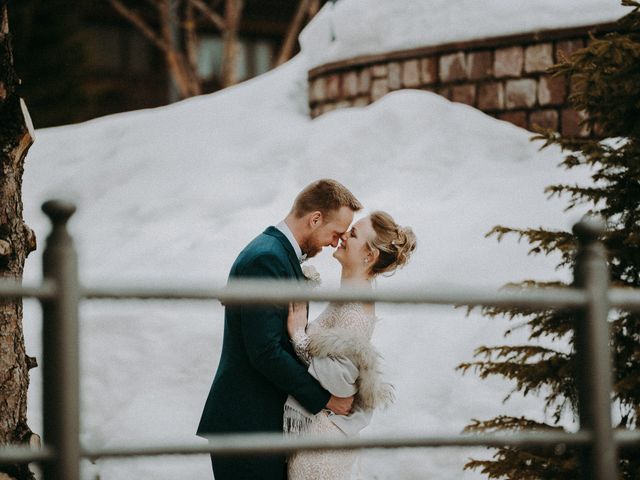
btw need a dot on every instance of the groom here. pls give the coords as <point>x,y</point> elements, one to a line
<point>258,368</point>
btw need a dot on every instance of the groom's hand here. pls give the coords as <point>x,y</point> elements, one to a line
<point>340,405</point>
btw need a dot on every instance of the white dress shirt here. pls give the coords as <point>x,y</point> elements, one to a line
<point>284,228</point>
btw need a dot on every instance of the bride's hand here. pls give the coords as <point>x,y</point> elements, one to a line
<point>297,320</point>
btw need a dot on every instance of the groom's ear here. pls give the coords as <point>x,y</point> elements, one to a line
<point>315,219</point>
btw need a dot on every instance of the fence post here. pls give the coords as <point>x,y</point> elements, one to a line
<point>593,357</point>
<point>60,348</point>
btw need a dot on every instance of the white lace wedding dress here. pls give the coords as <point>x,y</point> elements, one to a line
<point>328,465</point>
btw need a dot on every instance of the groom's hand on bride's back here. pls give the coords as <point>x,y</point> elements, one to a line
<point>340,405</point>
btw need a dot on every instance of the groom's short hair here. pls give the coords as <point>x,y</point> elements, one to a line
<point>326,196</point>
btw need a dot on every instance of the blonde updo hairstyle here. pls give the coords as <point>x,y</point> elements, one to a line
<point>394,243</point>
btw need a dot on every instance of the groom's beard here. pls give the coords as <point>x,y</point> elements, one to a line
<point>310,249</point>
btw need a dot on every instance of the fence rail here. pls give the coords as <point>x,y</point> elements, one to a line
<point>60,294</point>
<point>253,444</point>
<point>279,291</point>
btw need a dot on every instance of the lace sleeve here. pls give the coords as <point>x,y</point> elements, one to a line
<point>300,342</point>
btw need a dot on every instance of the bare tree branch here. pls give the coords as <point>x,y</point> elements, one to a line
<point>294,29</point>
<point>208,12</point>
<point>181,57</point>
<point>139,22</point>
<point>171,53</point>
<point>191,36</point>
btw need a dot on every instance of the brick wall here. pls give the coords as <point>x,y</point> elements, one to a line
<point>504,76</point>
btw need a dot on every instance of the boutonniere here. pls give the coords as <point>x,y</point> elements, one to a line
<point>313,277</point>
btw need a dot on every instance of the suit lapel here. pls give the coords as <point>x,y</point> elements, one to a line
<point>291,253</point>
<point>293,258</point>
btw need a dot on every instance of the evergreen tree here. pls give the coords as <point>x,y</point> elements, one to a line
<point>50,59</point>
<point>606,86</point>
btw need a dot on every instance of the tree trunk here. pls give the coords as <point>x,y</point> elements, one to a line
<point>186,80</point>
<point>16,241</point>
<point>313,8</point>
<point>233,14</point>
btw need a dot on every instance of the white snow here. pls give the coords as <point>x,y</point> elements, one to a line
<point>350,28</point>
<point>171,195</point>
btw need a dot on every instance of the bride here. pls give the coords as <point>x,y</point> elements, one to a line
<point>337,347</point>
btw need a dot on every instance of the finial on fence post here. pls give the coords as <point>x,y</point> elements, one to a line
<point>59,213</point>
<point>593,358</point>
<point>589,229</point>
<point>60,348</point>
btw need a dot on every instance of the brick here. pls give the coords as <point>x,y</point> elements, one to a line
<point>361,102</point>
<point>333,87</point>
<point>537,58</point>
<point>378,71</point>
<point>565,48</point>
<point>464,94</point>
<point>395,76</point>
<point>480,65</point>
<point>379,88</point>
<point>517,118</point>
<point>520,93</point>
<point>570,123</point>
<point>547,119</point>
<point>350,84</point>
<point>552,90</point>
<point>453,67</point>
<point>364,81</point>
<point>429,70</point>
<point>491,96</point>
<point>508,62</point>
<point>411,73</point>
<point>318,90</point>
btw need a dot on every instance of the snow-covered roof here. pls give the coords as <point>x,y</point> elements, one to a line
<point>350,28</point>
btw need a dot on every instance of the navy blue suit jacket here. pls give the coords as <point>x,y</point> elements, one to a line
<point>258,367</point>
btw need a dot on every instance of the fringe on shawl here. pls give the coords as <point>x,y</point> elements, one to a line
<point>294,421</point>
<point>372,393</point>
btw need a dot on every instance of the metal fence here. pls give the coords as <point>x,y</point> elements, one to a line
<point>61,292</point>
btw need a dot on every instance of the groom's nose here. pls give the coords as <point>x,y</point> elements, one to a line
<point>335,240</point>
